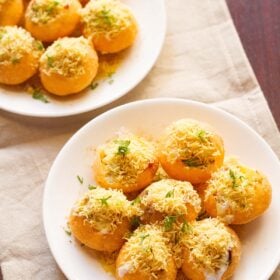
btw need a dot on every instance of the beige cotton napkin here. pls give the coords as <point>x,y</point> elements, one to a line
<point>202,59</point>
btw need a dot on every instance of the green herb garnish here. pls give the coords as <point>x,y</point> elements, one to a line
<point>51,7</point>
<point>91,187</point>
<point>80,179</point>
<point>233,178</point>
<point>170,193</point>
<point>94,86</point>
<point>104,200</point>
<point>168,222</point>
<point>68,232</point>
<point>39,45</point>
<point>135,222</point>
<point>185,227</point>
<point>201,135</point>
<point>143,237</point>
<point>50,61</point>
<point>192,162</point>
<point>123,147</point>
<point>136,200</point>
<point>39,95</point>
<point>15,60</point>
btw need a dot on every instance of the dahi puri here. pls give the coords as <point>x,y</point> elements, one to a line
<point>48,20</point>
<point>190,150</point>
<point>211,250</point>
<point>128,163</point>
<point>101,219</point>
<point>110,24</point>
<point>236,193</point>
<point>10,12</point>
<point>68,66</point>
<point>146,255</point>
<point>169,198</point>
<point>19,55</point>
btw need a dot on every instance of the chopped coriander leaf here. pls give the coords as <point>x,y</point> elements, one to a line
<point>104,200</point>
<point>110,74</point>
<point>168,222</point>
<point>50,61</point>
<point>15,60</point>
<point>185,227</point>
<point>135,222</point>
<point>233,178</point>
<point>51,7</point>
<point>192,162</point>
<point>94,86</point>
<point>123,147</point>
<point>106,17</point>
<point>143,237</point>
<point>68,232</point>
<point>201,135</point>
<point>110,81</point>
<point>136,200</point>
<point>80,179</point>
<point>91,187</point>
<point>39,95</point>
<point>170,193</point>
<point>39,45</point>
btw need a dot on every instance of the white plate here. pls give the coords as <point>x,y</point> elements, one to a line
<point>261,242</point>
<point>138,61</point>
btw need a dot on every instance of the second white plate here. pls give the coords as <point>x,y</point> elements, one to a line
<point>139,59</point>
<point>260,239</point>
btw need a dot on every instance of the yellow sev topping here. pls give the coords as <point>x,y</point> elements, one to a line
<point>190,142</point>
<point>66,57</point>
<point>171,197</point>
<point>209,244</point>
<point>104,209</point>
<point>16,43</point>
<point>105,17</point>
<point>146,251</point>
<point>234,187</point>
<point>125,158</point>
<point>45,11</point>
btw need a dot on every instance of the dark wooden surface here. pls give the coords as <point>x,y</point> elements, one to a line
<point>258,25</point>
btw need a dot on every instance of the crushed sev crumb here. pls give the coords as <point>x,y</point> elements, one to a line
<point>105,17</point>
<point>104,209</point>
<point>66,57</point>
<point>171,197</point>
<point>209,243</point>
<point>188,141</point>
<point>45,11</point>
<point>233,187</point>
<point>16,43</point>
<point>125,168</point>
<point>147,251</point>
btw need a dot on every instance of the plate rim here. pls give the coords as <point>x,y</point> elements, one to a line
<point>122,93</point>
<point>274,262</point>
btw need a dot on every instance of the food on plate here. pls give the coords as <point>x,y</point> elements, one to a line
<point>101,219</point>
<point>68,66</point>
<point>127,162</point>
<point>110,24</point>
<point>169,199</point>
<point>237,194</point>
<point>10,12</point>
<point>169,225</point>
<point>48,20</point>
<point>190,150</point>
<point>211,250</point>
<point>146,255</point>
<point>19,55</point>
